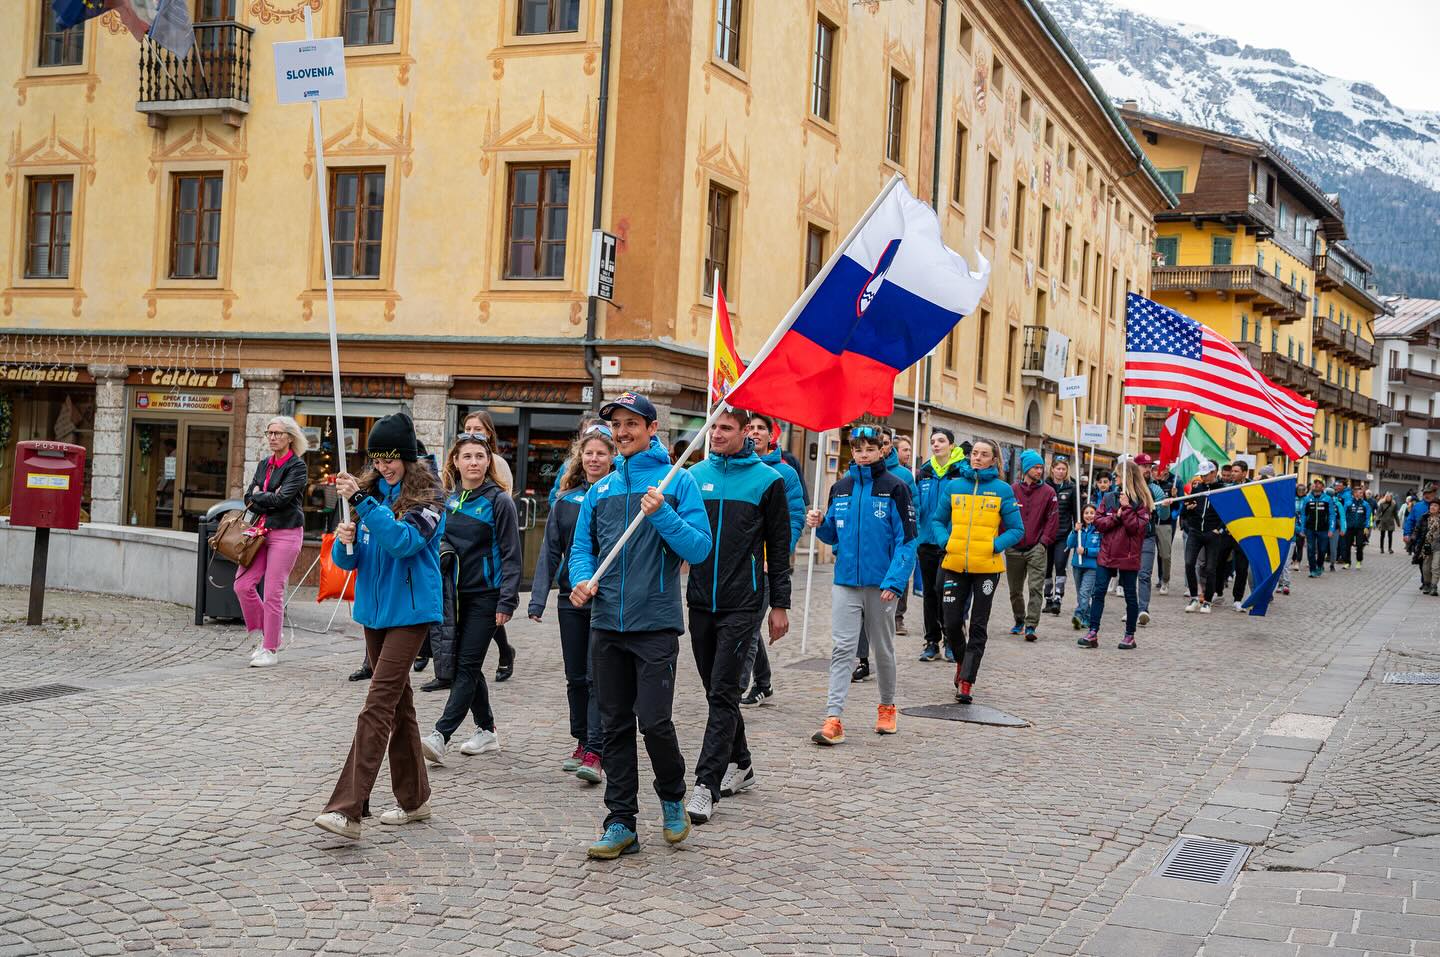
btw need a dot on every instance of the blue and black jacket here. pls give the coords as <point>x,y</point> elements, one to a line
<point>1090,537</point>
<point>892,462</point>
<point>927,488</point>
<point>1318,513</point>
<point>794,494</point>
<point>1358,511</point>
<point>482,527</point>
<point>870,522</point>
<point>641,590</point>
<point>551,568</point>
<point>745,501</point>
<point>396,561</point>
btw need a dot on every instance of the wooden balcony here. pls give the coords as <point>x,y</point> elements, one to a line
<point>213,80</point>
<point>1412,420</point>
<point>1388,416</point>
<point>1268,295</point>
<point>1404,462</point>
<point>1327,395</point>
<point>1416,378</point>
<point>1327,334</point>
<point>1289,373</point>
<point>1328,274</point>
<point>1365,353</point>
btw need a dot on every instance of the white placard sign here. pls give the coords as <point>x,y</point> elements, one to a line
<point>310,70</point>
<point>1057,352</point>
<point>1073,387</point>
<point>1094,433</point>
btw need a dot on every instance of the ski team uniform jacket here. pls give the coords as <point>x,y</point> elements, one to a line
<point>482,527</point>
<point>396,562</point>
<point>977,518</point>
<point>641,590</point>
<point>794,494</point>
<point>870,522</point>
<point>745,501</point>
<point>551,568</point>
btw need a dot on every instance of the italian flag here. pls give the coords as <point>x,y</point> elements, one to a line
<point>1196,446</point>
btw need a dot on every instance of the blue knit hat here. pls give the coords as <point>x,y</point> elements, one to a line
<point>1029,459</point>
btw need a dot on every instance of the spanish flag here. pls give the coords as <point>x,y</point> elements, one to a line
<point>725,365</point>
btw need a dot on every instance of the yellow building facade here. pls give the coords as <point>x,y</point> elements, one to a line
<point>165,293</point>
<point>1254,251</point>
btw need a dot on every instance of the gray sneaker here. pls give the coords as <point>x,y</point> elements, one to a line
<point>701,806</point>
<point>433,744</point>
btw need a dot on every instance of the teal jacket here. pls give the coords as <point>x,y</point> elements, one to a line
<point>396,562</point>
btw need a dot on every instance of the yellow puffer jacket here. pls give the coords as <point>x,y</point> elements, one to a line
<point>977,519</point>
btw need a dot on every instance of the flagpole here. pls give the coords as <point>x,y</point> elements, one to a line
<point>710,360</point>
<point>1181,498</point>
<point>761,356</point>
<point>915,422</point>
<point>810,560</point>
<point>1075,419</point>
<point>321,188</point>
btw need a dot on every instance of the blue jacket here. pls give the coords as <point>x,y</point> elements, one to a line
<point>892,462</point>
<point>1090,537</point>
<point>396,562</point>
<point>641,591</point>
<point>1418,510</point>
<point>550,565</point>
<point>745,503</point>
<point>964,480</point>
<point>928,491</point>
<point>870,522</point>
<point>794,494</point>
<point>1318,513</point>
<point>1347,500</point>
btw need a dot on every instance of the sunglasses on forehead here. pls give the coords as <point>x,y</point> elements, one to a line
<point>869,433</point>
<point>480,437</point>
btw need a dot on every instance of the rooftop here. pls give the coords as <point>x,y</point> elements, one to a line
<point>1410,315</point>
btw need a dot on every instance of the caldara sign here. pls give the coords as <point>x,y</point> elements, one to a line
<point>42,374</point>
<point>182,379</point>
<point>183,402</point>
<point>307,70</point>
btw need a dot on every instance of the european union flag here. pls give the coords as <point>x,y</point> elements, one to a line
<point>1260,517</point>
<point>70,12</point>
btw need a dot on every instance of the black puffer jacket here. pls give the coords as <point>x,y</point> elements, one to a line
<point>279,500</point>
<point>442,632</point>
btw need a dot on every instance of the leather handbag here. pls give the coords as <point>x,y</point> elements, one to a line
<point>236,538</point>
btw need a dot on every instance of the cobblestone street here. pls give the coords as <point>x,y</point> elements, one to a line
<point>167,808</point>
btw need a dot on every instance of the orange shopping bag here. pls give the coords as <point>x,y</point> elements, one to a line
<point>335,582</point>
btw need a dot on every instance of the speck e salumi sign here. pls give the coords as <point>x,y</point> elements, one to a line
<point>310,70</point>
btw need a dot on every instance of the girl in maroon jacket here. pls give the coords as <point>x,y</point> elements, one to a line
<point>1123,519</point>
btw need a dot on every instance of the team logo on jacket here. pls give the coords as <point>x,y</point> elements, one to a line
<point>987,587</point>
<point>877,278</point>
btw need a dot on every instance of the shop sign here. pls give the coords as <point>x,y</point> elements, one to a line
<point>184,379</point>
<point>538,393</point>
<point>183,402</point>
<point>351,387</point>
<point>43,374</point>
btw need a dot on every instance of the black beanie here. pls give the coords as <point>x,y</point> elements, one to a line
<point>393,437</point>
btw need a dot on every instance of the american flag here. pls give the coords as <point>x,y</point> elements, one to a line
<point>1174,361</point>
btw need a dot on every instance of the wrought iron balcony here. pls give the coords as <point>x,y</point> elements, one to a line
<point>1033,354</point>
<point>214,80</point>
<point>1270,296</point>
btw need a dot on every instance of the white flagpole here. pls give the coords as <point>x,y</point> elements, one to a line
<point>710,361</point>
<point>760,357</point>
<point>1075,419</point>
<point>322,189</point>
<point>810,561</point>
<point>1181,498</point>
<point>915,422</point>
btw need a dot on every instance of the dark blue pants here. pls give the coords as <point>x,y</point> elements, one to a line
<point>1128,580</point>
<point>1319,544</point>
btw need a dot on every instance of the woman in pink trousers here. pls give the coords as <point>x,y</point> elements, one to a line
<point>274,495</point>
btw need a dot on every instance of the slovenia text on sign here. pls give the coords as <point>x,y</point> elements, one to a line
<point>45,480</point>
<point>183,402</point>
<point>1093,433</point>
<point>1072,387</point>
<point>307,70</point>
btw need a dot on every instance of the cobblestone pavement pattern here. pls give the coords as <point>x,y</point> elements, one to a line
<point>168,810</point>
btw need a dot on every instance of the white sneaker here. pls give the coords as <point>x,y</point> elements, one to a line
<point>736,780</point>
<point>255,637</point>
<point>1239,606</point>
<point>1164,589</point>
<point>433,744</point>
<point>480,742</point>
<point>1204,608</point>
<point>398,815</point>
<point>1144,619</point>
<point>337,823</point>
<point>701,806</point>
<point>1193,606</point>
<point>264,659</point>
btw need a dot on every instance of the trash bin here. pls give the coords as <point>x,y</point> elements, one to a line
<point>215,574</point>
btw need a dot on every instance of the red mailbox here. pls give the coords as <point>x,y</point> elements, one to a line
<point>49,479</point>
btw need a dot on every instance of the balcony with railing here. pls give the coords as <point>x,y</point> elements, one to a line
<point>1388,416</point>
<point>1272,297</point>
<point>1412,420</point>
<point>1327,334</point>
<point>1365,353</point>
<point>213,80</point>
<point>1328,395</point>
<point>1037,345</point>
<point>1330,274</point>
<point>1415,378</point>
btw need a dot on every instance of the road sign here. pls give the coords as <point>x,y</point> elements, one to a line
<point>602,264</point>
<point>1073,387</point>
<point>310,70</point>
<point>1094,433</point>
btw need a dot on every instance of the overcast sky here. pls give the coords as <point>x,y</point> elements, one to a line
<point>1390,43</point>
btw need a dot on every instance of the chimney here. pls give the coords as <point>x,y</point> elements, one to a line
<point>1131,105</point>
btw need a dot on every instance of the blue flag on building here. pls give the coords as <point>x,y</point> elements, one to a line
<point>1260,516</point>
<point>70,12</point>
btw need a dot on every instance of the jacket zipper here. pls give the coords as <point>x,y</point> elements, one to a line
<point>410,585</point>
<point>753,586</point>
<point>970,523</point>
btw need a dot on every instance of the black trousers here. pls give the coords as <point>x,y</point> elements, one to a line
<point>1057,559</point>
<point>635,677</point>
<point>1387,539</point>
<point>579,675</point>
<point>1221,553</point>
<point>929,558</point>
<point>966,595</point>
<point>1352,545</point>
<point>720,642</point>
<point>474,629</point>
<point>1194,546</point>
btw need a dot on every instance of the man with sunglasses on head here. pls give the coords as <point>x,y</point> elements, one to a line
<point>891,459</point>
<point>637,618</point>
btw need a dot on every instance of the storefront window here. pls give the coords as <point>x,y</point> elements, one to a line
<point>178,468</point>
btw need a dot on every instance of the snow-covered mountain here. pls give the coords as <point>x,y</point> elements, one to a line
<point>1383,160</point>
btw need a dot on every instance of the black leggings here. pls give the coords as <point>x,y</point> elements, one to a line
<point>1387,539</point>
<point>474,628</point>
<point>967,595</point>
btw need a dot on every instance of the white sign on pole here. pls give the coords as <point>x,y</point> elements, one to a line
<point>308,70</point>
<point>602,264</point>
<point>1057,351</point>
<point>1094,433</point>
<point>1073,387</point>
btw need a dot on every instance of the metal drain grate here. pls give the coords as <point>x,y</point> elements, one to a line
<point>36,693</point>
<point>1203,860</point>
<point>1412,677</point>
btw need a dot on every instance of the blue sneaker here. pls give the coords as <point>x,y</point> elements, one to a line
<point>1019,629</point>
<point>930,653</point>
<point>617,839</point>
<point>1030,633</point>
<point>949,655</point>
<point>677,821</point>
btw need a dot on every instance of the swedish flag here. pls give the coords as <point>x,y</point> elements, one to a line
<point>1260,517</point>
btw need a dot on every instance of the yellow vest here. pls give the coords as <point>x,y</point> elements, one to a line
<point>974,526</point>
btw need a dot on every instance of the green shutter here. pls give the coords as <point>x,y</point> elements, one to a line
<point>1169,249</point>
<point>1220,250</point>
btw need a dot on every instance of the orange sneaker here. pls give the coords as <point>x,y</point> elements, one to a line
<point>830,732</point>
<point>885,724</point>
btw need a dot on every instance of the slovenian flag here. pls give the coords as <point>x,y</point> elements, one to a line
<point>887,296</point>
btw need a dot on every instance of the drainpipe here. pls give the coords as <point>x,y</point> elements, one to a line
<point>592,353</point>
